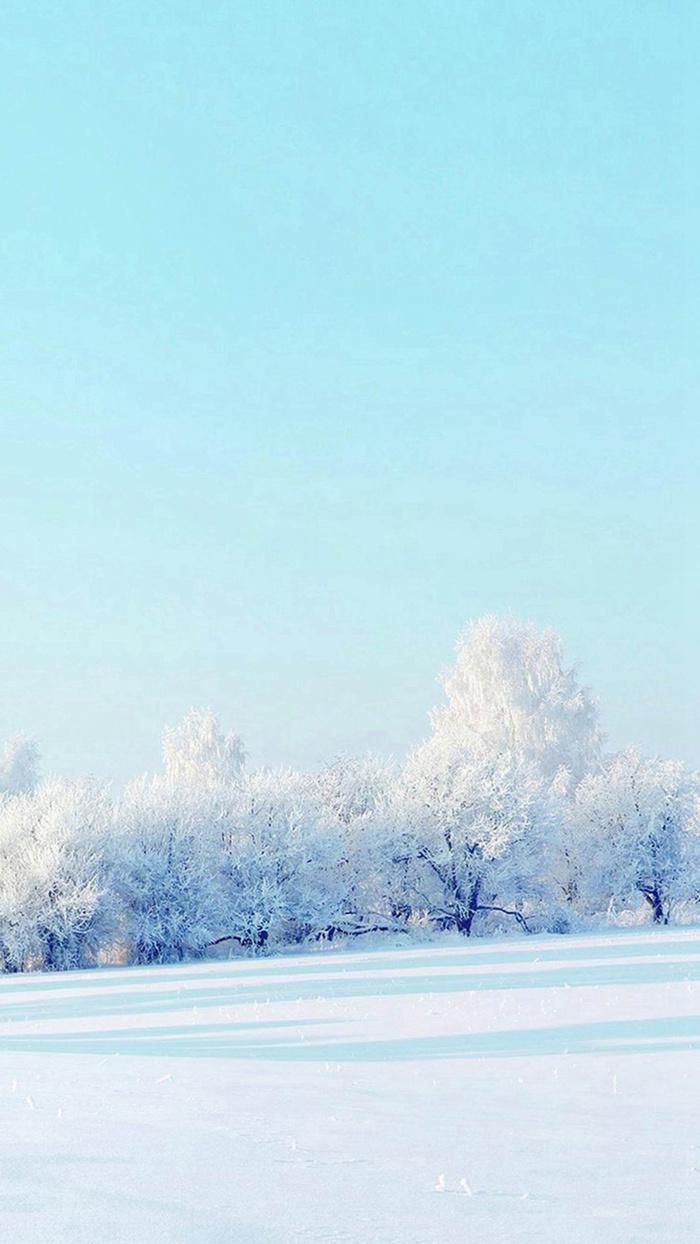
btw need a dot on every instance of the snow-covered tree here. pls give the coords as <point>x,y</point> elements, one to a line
<point>197,753</point>
<point>509,692</point>
<point>164,864</point>
<point>19,766</point>
<point>474,828</point>
<point>281,871</point>
<point>352,788</point>
<point>634,828</point>
<point>505,811</point>
<point>55,909</point>
<point>166,855</point>
<point>358,811</point>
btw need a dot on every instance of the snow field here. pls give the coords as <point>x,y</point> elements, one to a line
<point>523,1090</point>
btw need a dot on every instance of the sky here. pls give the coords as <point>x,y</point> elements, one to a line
<point>327,328</point>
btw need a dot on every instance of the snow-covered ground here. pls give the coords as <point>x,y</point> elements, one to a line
<point>500,1091</point>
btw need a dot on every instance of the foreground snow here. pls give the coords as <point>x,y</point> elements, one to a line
<point>503,1091</point>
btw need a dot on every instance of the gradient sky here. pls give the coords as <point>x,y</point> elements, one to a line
<point>327,327</point>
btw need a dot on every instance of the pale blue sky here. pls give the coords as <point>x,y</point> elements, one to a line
<point>325,328</point>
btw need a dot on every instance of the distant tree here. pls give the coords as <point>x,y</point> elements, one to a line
<point>197,753</point>
<point>635,828</point>
<point>19,766</point>
<point>508,692</point>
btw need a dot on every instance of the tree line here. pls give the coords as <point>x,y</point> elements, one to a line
<point>511,815</point>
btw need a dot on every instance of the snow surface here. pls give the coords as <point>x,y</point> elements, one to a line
<point>500,1091</point>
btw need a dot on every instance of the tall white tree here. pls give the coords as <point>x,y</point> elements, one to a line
<point>508,691</point>
<point>197,753</point>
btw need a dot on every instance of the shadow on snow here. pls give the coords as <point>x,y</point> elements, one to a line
<point>259,1041</point>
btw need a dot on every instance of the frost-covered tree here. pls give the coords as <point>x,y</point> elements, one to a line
<point>19,765</point>
<point>634,826</point>
<point>506,809</point>
<point>508,692</point>
<point>352,788</point>
<point>474,828</point>
<point>282,877</point>
<point>55,908</point>
<point>197,753</point>
<point>358,811</point>
<point>164,864</point>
